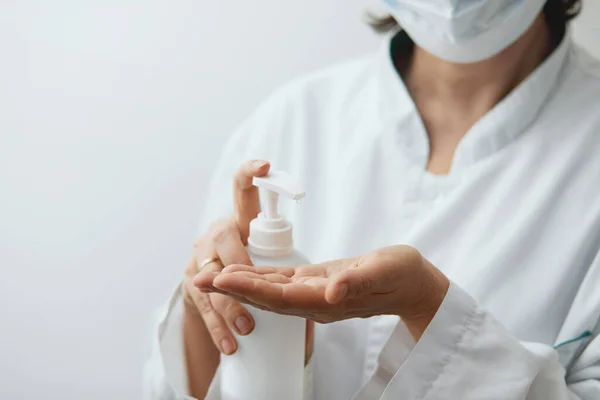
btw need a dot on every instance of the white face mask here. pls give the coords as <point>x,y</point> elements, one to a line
<point>465,31</point>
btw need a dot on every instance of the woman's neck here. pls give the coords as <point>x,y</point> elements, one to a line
<point>451,97</point>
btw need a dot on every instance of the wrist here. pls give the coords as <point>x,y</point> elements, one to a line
<point>189,306</point>
<point>434,289</point>
<point>417,327</point>
<point>201,355</point>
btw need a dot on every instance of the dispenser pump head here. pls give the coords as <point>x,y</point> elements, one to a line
<point>270,232</point>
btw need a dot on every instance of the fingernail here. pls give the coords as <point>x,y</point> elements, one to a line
<point>258,164</point>
<point>227,346</point>
<point>243,325</point>
<point>343,291</point>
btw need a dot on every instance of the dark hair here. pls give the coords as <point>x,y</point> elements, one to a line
<point>557,12</point>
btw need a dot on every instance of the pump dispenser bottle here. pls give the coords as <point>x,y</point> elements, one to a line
<point>269,362</point>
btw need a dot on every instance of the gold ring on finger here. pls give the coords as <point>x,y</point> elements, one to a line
<point>207,261</point>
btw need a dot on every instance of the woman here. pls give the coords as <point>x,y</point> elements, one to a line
<point>472,139</point>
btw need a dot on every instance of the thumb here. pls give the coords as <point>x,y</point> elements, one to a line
<point>245,194</point>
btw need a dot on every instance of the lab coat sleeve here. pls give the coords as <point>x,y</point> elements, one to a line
<point>262,136</point>
<point>466,354</point>
<point>164,371</point>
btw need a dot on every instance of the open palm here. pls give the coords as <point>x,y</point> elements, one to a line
<point>386,281</point>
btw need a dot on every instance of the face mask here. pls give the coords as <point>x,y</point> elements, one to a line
<point>465,31</point>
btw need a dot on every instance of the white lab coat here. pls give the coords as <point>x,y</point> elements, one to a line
<point>515,226</point>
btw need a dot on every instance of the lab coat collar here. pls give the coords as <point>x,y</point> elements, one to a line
<point>499,127</point>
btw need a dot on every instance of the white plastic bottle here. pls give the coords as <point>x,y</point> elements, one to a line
<point>269,362</point>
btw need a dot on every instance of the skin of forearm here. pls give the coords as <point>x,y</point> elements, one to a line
<point>201,355</point>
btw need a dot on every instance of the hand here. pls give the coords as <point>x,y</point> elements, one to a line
<point>226,242</point>
<point>391,281</point>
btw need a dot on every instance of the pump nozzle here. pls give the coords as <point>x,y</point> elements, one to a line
<point>277,183</point>
<point>271,233</point>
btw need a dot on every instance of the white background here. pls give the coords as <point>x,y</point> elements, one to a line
<point>111,115</point>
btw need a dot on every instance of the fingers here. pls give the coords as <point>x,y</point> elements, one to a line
<point>255,288</point>
<point>271,278</point>
<point>220,333</point>
<point>245,194</point>
<point>323,270</point>
<point>228,244</point>
<point>235,315</point>
<point>268,277</point>
<point>222,314</point>
<point>204,250</point>
<point>203,279</point>
<point>285,271</point>
<point>279,296</point>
